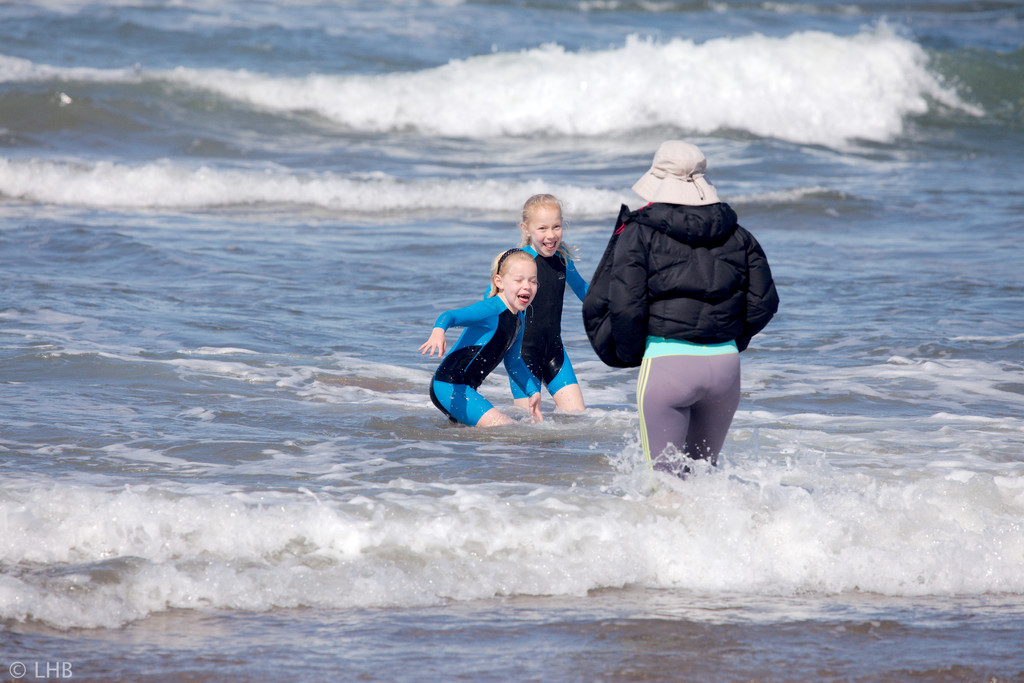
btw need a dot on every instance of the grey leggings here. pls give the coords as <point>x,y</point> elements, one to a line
<point>687,402</point>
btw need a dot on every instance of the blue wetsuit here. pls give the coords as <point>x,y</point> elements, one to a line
<point>542,348</point>
<point>493,334</point>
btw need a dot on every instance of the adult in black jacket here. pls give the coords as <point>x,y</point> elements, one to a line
<point>690,287</point>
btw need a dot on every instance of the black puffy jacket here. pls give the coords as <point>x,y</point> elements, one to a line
<point>690,273</point>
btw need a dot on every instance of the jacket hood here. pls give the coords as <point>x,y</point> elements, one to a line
<point>696,226</point>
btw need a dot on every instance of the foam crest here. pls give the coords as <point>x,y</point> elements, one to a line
<point>810,87</point>
<point>168,185</point>
<point>943,383</point>
<point>16,69</point>
<point>87,556</point>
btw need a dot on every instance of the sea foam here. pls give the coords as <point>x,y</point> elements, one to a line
<point>163,184</point>
<point>809,87</point>
<point>92,556</point>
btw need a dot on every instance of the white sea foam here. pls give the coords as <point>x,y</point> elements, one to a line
<point>169,185</point>
<point>16,69</point>
<point>809,87</point>
<point>807,502</point>
<point>119,554</point>
<point>217,351</point>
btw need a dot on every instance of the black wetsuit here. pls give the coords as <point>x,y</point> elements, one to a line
<point>542,348</point>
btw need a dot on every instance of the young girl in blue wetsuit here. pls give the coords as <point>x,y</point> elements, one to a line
<point>542,348</point>
<point>494,333</point>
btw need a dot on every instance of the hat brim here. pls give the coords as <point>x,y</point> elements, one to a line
<point>671,190</point>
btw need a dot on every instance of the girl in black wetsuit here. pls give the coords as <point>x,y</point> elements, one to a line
<point>542,349</point>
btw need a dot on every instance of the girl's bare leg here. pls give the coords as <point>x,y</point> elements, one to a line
<point>569,398</point>
<point>496,418</point>
<point>523,403</point>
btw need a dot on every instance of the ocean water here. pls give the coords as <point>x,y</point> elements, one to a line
<point>225,228</point>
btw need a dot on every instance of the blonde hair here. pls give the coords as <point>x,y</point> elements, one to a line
<point>567,252</point>
<point>503,261</point>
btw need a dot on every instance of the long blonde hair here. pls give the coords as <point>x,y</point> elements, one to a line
<point>568,253</point>
<point>503,261</point>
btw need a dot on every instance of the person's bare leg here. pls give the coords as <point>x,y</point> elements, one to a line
<point>495,418</point>
<point>569,398</point>
<point>523,403</point>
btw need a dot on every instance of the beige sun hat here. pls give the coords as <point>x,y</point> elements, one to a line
<point>677,176</point>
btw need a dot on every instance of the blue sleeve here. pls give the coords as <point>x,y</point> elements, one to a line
<point>516,368</point>
<point>463,317</point>
<point>575,280</point>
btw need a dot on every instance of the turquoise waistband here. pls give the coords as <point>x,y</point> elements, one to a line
<point>660,346</point>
